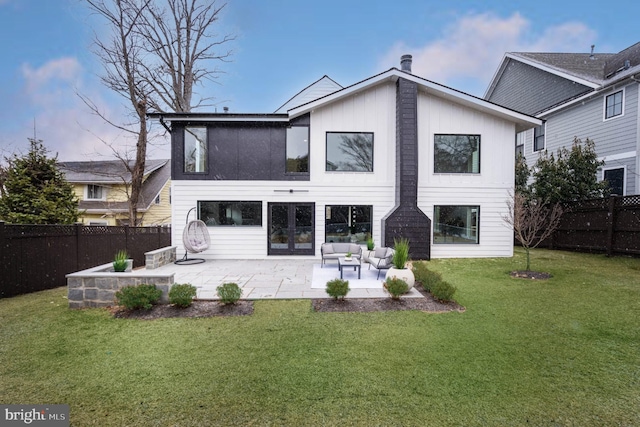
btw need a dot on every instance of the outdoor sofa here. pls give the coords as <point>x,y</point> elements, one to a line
<point>333,251</point>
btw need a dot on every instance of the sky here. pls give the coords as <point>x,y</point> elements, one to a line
<point>280,47</point>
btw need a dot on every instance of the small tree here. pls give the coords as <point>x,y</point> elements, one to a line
<point>570,175</point>
<point>533,220</point>
<point>35,191</point>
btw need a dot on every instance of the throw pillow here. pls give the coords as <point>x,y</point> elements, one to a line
<point>380,252</point>
<point>327,248</point>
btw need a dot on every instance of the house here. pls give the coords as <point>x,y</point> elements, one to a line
<point>102,188</point>
<point>394,155</point>
<point>584,95</point>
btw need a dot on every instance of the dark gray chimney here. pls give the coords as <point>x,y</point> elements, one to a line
<point>225,109</point>
<point>405,63</point>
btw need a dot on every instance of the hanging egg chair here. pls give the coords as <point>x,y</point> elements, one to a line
<point>195,238</point>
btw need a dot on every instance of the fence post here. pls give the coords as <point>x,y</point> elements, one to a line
<point>78,233</point>
<point>2,244</point>
<point>611,223</point>
<point>126,239</point>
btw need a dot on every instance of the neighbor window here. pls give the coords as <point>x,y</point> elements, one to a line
<point>298,149</point>
<point>195,149</point>
<point>94,192</point>
<point>520,144</point>
<point>456,154</point>
<point>350,151</point>
<point>538,137</point>
<point>613,105</point>
<point>456,224</point>
<point>157,200</point>
<point>615,178</point>
<point>347,223</point>
<point>230,213</point>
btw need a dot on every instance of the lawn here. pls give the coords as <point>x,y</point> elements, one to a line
<point>563,352</point>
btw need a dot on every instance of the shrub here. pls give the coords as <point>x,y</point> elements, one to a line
<point>425,276</point>
<point>182,295</point>
<point>396,287</point>
<point>140,296</point>
<point>338,288</point>
<point>229,293</point>
<point>401,254</point>
<point>442,290</point>
<point>120,261</point>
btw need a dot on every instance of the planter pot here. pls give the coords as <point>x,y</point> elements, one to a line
<point>127,270</point>
<point>404,274</point>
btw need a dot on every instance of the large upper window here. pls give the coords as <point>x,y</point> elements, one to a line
<point>95,192</point>
<point>347,223</point>
<point>195,149</point>
<point>230,213</point>
<point>613,105</point>
<point>538,137</point>
<point>456,154</point>
<point>298,149</point>
<point>350,151</point>
<point>456,224</point>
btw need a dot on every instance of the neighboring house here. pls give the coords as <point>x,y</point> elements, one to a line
<point>392,156</point>
<point>584,95</point>
<point>102,187</point>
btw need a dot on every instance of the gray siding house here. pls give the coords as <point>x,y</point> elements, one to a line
<point>584,95</point>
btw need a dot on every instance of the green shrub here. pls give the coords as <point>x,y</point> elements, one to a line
<point>120,261</point>
<point>182,295</point>
<point>140,296</point>
<point>425,276</point>
<point>338,288</point>
<point>442,290</point>
<point>370,244</point>
<point>396,287</point>
<point>401,254</point>
<point>229,293</point>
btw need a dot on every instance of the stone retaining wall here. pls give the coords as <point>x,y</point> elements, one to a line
<point>160,257</point>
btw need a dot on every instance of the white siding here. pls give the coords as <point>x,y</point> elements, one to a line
<point>489,189</point>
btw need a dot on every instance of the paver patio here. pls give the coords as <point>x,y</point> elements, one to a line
<point>266,279</point>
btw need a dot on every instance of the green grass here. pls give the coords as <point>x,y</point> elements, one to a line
<point>564,352</point>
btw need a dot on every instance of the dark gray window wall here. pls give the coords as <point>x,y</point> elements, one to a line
<point>239,151</point>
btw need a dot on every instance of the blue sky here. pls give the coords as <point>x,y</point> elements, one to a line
<point>281,46</point>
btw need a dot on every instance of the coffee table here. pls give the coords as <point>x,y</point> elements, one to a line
<point>353,262</point>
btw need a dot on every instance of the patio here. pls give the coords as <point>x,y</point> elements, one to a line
<point>276,278</point>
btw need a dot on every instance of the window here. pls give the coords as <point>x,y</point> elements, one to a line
<point>95,192</point>
<point>456,154</point>
<point>347,223</point>
<point>157,200</point>
<point>298,149</point>
<point>195,149</point>
<point>520,144</point>
<point>230,213</point>
<point>613,105</point>
<point>97,222</point>
<point>456,224</point>
<point>615,178</point>
<point>538,137</point>
<point>350,151</point>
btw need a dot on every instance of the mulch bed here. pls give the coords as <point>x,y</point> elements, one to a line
<point>532,275</point>
<point>245,308</point>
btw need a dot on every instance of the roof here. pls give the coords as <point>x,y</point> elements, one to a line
<point>523,121</point>
<point>321,87</point>
<point>104,172</point>
<point>158,173</point>
<point>594,70</point>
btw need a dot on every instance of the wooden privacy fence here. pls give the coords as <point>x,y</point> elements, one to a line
<point>610,225</point>
<point>38,257</point>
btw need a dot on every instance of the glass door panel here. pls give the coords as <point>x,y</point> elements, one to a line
<point>279,227</point>
<point>303,236</point>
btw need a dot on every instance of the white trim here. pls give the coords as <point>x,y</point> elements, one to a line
<point>619,156</point>
<point>604,104</point>
<point>549,69</point>
<point>624,178</point>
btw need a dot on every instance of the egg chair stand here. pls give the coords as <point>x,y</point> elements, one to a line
<point>195,239</point>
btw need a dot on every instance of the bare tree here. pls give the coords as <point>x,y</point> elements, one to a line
<point>533,220</point>
<point>185,50</point>
<point>153,58</point>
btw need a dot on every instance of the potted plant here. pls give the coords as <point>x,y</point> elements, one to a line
<point>121,262</point>
<point>400,259</point>
<point>348,256</point>
<point>369,252</point>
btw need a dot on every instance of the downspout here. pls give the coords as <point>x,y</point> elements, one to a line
<point>164,125</point>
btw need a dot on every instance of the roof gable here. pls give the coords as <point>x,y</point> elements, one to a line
<point>104,172</point>
<point>321,87</point>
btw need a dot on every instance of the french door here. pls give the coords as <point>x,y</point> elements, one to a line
<point>291,229</point>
